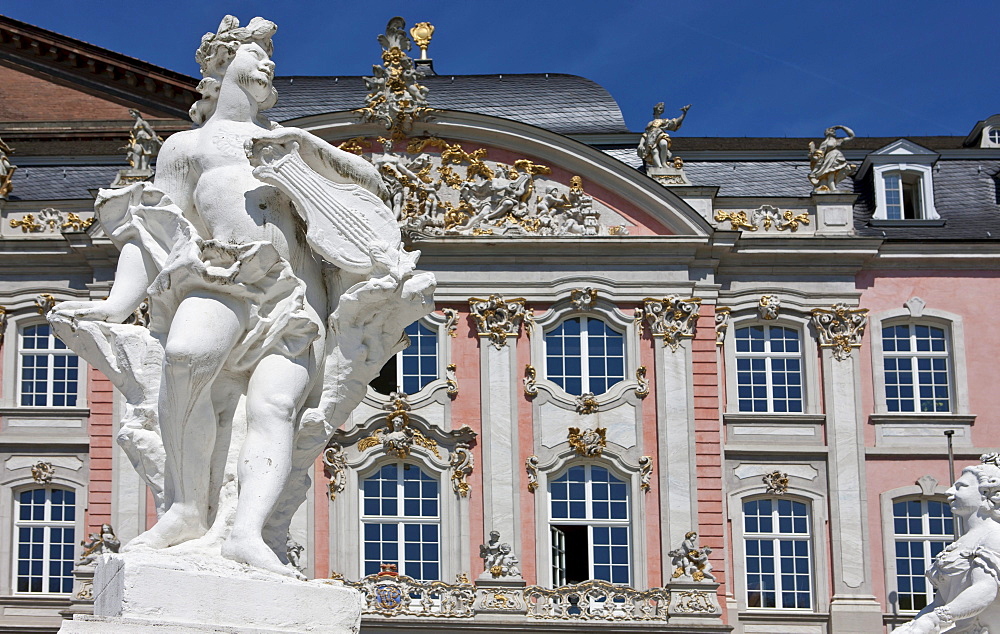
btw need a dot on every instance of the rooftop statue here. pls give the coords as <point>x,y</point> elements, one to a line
<point>277,286</point>
<point>143,143</point>
<point>654,147</point>
<point>7,170</point>
<point>827,165</point>
<point>966,574</point>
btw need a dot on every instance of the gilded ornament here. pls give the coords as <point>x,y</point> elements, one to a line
<point>355,145</point>
<point>722,317</point>
<point>645,472</point>
<point>672,318</point>
<point>589,442</point>
<point>7,170</point>
<point>27,222</point>
<point>531,466</point>
<point>530,386</point>
<point>737,219</point>
<point>462,577</point>
<point>461,463</point>
<point>642,387</point>
<point>840,328</point>
<point>42,472</point>
<point>450,321</point>
<point>395,98</point>
<point>693,602</point>
<point>335,465</point>
<point>44,302</point>
<point>605,602</point>
<point>76,223</point>
<point>583,298</point>
<point>768,306</point>
<point>497,318</point>
<point>586,403</point>
<point>776,482</point>
<point>422,32</point>
<point>451,379</point>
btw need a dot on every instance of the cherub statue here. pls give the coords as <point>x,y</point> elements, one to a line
<point>490,551</point>
<point>654,147</point>
<point>827,165</point>
<point>691,560</point>
<point>966,574</point>
<point>98,544</point>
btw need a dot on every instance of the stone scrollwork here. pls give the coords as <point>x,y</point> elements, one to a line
<point>840,328</point>
<point>44,303</point>
<point>450,321</point>
<point>530,384</point>
<point>42,472</point>
<point>645,472</point>
<point>722,318</point>
<point>583,298</point>
<point>596,600</point>
<point>531,466</point>
<point>693,602</point>
<point>451,379</point>
<point>776,482</point>
<point>335,464</point>
<point>586,403</point>
<point>497,318</point>
<point>672,318</point>
<point>389,594</point>
<point>589,442</point>
<point>395,98</point>
<point>768,307</point>
<point>461,463</point>
<point>764,217</point>
<point>642,384</point>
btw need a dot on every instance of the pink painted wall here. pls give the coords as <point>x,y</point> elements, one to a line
<point>100,398</point>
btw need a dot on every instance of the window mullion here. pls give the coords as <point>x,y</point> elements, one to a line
<point>584,355</point>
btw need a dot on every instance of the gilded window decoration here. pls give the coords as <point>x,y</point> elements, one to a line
<point>841,328</point>
<point>776,482</point>
<point>723,316</point>
<point>497,318</point>
<point>645,472</point>
<point>672,318</point>
<point>42,472</point>
<point>589,442</point>
<point>530,381</point>
<point>583,298</point>
<point>451,379</point>
<point>461,463</point>
<point>531,466</point>
<point>335,466</point>
<point>642,385</point>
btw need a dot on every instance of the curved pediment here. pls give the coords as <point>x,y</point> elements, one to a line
<point>470,174</point>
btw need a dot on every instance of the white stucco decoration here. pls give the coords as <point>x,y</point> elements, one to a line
<point>277,287</point>
<point>966,574</point>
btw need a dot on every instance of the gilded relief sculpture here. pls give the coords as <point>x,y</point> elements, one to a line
<point>278,288</point>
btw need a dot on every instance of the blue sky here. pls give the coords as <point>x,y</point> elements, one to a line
<point>779,68</point>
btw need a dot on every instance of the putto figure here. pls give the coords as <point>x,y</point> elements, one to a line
<point>966,574</point>
<point>268,318</point>
<point>827,165</point>
<point>654,147</point>
<point>143,143</point>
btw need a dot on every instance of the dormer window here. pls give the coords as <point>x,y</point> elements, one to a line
<point>902,195</point>
<point>994,136</point>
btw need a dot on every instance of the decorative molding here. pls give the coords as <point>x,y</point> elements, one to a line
<point>398,436</point>
<point>775,483</point>
<point>764,217</point>
<point>693,602</point>
<point>497,318</point>
<point>531,466</point>
<point>645,472</point>
<point>42,472</point>
<point>672,318</point>
<point>27,223</point>
<point>589,442</point>
<point>722,318</point>
<point>916,307</point>
<point>927,484</point>
<point>604,602</point>
<point>335,463</point>
<point>586,403</point>
<point>768,307</point>
<point>76,223</point>
<point>450,321</point>
<point>389,594</point>
<point>583,298</point>
<point>642,385</point>
<point>840,328</point>
<point>395,99</point>
<point>461,463</point>
<point>44,303</point>
<point>530,378</point>
<point>451,379</point>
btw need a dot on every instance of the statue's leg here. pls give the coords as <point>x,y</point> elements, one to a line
<point>202,334</point>
<point>275,394</point>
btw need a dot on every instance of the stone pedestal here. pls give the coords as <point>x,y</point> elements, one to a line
<point>694,603</point>
<point>147,592</point>
<point>669,175</point>
<point>128,176</point>
<point>500,596</point>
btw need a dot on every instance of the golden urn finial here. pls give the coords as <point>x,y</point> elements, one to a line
<point>422,32</point>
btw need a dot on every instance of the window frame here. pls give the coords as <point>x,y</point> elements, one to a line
<point>954,332</point>
<point>924,176</point>
<point>585,356</point>
<point>914,355</point>
<point>49,353</point>
<point>769,357</point>
<point>401,519</point>
<point>11,394</point>
<point>775,536</point>
<point>924,538</point>
<point>47,525</point>
<point>436,323</point>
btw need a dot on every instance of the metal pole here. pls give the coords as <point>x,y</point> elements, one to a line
<point>951,473</point>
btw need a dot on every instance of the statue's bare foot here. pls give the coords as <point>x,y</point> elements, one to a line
<point>175,527</point>
<point>254,552</point>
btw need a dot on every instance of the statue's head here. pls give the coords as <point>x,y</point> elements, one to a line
<point>657,110</point>
<point>830,132</point>
<point>245,50</point>
<point>978,489</point>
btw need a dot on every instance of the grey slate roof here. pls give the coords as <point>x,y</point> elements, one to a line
<point>566,104</point>
<point>61,183</point>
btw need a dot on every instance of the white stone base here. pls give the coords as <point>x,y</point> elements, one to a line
<point>149,592</point>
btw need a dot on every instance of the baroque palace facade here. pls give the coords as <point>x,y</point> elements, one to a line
<point>701,386</point>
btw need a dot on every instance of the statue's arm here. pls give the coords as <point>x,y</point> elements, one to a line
<point>976,597</point>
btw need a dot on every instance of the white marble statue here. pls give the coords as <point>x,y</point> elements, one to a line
<point>654,146</point>
<point>498,558</point>
<point>143,143</point>
<point>827,165</point>
<point>277,286</point>
<point>966,574</point>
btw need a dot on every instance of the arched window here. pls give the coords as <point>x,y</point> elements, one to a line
<point>921,529</point>
<point>589,525</point>
<point>583,354</point>
<point>49,372</point>
<point>777,549</point>
<point>916,361</point>
<point>44,540</point>
<point>414,367</point>
<point>768,369</point>
<point>401,521</point>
